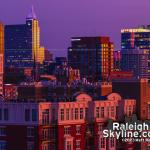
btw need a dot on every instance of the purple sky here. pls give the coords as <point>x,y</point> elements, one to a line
<point>62,19</point>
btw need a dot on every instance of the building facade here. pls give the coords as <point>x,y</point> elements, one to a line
<point>22,43</point>
<point>93,56</point>
<point>75,125</point>
<point>1,57</point>
<point>136,38</point>
<point>135,61</point>
<point>138,89</point>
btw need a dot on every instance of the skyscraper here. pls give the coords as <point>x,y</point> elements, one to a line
<point>22,43</point>
<point>136,38</point>
<point>93,56</point>
<point>1,57</point>
<point>135,61</point>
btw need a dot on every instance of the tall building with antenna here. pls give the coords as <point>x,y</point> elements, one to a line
<point>22,43</point>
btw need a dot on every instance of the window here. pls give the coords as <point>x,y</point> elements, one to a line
<point>148,110</point>
<point>6,117</point>
<point>2,131</point>
<point>46,133</point>
<point>81,113</point>
<point>27,114</point>
<point>67,114</point>
<point>102,142</point>
<point>76,113</point>
<point>34,115</point>
<point>72,114</point>
<point>102,112</point>
<point>68,145</point>
<point>45,117</point>
<point>46,146</point>
<point>130,111</point>
<point>112,142</point>
<point>67,130</point>
<point>97,112</point>
<point>108,112</point>
<point>78,143</point>
<point>78,129</point>
<point>30,145</point>
<point>30,132</point>
<point>100,127</point>
<point>62,114</point>
<point>52,132</point>
<point>86,113</point>
<point>0,114</point>
<point>2,145</point>
<point>53,115</point>
<point>112,111</point>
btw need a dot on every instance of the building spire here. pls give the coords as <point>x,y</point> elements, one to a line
<point>31,14</point>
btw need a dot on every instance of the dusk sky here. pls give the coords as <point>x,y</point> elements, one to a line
<point>62,19</point>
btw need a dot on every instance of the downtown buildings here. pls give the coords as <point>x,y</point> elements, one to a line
<point>93,56</point>
<point>135,61</point>
<point>136,39</point>
<point>71,112</point>
<point>22,43</point>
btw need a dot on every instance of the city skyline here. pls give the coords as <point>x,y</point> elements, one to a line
<point>64,21</point>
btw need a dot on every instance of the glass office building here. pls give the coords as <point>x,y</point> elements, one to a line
<point>93,56</point>
<point>22,43</point>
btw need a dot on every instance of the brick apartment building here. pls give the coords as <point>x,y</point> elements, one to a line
<point>75,125</point>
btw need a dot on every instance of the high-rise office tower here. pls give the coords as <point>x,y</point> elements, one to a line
<point>1,57</point>
<point>136,38</point>
<point>135,61</point>
<point>93,56</point>
<point>22,43</point>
